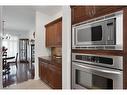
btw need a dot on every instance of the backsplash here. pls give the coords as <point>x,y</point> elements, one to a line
<point>56,51</point>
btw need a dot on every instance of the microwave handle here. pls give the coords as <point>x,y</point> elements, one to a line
<point>100,70</point>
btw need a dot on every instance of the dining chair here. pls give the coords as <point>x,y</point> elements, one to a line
<point>15,61</point>
<point>4,54</point>
<point>6,66</point>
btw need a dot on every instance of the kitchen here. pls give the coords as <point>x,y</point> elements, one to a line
<point>81,47</point>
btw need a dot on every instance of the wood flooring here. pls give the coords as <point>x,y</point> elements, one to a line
<point>23,72</point>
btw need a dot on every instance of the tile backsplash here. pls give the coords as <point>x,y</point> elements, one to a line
<point>56,51</point>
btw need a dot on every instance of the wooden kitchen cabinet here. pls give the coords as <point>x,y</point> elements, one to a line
<point>54,76</point>
<point>54,33</point>
<point>51,74</point>
<point>82,13</point>
<point>43,71</point>
<point>58,34</point>
<point>49,36</point>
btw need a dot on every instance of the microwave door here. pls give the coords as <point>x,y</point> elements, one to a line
<point>83,35</point>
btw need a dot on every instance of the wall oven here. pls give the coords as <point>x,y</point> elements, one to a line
<point>104,32</point>
<point>96,72</point>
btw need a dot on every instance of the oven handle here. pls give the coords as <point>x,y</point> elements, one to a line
<point>100,70</point>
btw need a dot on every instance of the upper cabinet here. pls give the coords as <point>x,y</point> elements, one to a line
<point>54,33</point>
<point>82,13</point>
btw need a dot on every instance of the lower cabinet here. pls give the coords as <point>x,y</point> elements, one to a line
<point>54,76</point>
<point>44,71</point>
<point>50,74</point>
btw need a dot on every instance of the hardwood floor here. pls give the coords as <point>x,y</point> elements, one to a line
<point>18,75</point>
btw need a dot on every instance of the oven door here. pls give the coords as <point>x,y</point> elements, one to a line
<point>93,77</point>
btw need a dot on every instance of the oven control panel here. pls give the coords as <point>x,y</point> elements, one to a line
<point>95,59</point>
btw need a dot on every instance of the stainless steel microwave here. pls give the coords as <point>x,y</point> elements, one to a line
<point>104,32</point>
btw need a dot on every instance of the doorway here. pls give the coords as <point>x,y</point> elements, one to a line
<point>18,24</point>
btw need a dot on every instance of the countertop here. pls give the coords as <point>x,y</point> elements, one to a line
<point>51,60</point>
<point>47,58</point>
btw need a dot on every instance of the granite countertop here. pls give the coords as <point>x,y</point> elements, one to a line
<point>46,59</point>
<point>51,59</point>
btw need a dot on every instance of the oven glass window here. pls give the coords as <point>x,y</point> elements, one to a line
<point>92,81</point>
<point>96,33</point>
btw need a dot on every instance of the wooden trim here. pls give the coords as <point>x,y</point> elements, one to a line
<point>57,20</point>
<point>100,52</point>
<point>125,48</point>
<point>97,6</point>
<point>125,72</point>
<point>125,30</point>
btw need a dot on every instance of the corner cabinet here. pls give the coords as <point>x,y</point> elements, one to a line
<point>54,33</point>
<point>82,13</point>
<point>50,73</point>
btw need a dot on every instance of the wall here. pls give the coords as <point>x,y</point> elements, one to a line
<point>31,37</point>
<point>66,48</point>
<point>0,48</point>
<point>40,48</point>
<point>18,33</point>
<point>57,15</point>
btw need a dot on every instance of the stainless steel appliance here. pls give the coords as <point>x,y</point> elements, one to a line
<point>104,32</point>
<point>97,72</point>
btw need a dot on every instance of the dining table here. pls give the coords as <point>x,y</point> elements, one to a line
<point>8,58</point>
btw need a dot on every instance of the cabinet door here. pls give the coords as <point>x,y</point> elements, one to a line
<point>103,10</point>
<point>40,69</point>
<point>54,77</point>
<point>54,33</point>
<point>78,14</point>
<point>58,34</point>
<point>49,36</point>
<point>82,13</point>
<point>51,75</point>
<point>58,79</point>
<point>44,72</point>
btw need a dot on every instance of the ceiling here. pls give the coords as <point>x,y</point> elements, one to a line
<point>22,18</point>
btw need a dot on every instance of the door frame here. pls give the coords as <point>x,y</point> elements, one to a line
<point>1,83</point>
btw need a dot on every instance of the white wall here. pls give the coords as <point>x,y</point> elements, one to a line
<point>57,15</point>
<point>19,33</point>
<point>40,48</point>
<point>29,46</point>
<point>66,48</point>
<point>31,35</point>
<point>0,48</point>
